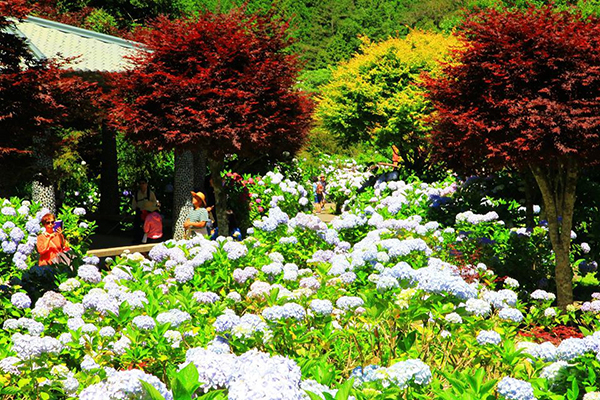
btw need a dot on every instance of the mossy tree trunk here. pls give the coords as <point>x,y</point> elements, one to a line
<point>42,188</point>
<point>558,186</point>
<point>182,198</point>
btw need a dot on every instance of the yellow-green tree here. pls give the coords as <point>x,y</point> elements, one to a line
<point>376,96</point>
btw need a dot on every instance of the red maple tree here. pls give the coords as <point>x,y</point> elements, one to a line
<point>524,92</point>
<point>35,95</point>
<point>218,82</point>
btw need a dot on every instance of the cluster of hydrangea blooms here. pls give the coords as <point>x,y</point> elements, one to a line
<point>275,218</point>
<point>404,373</point>
<point>174,317</point>
<point>243,275</point>
<point>124,385</point>
<point>488,337</point>
<point>542,295</point>
<point>288,310</point>
<point>511,314</point>
<point>554,370</point>
<point>348,303</point>
<point>544,351</point>
<point>515,389</point>
<point>479,307</point>
<point>475,219</point>
<point>218,366</point>
<point>501,299</point>
<point>206,297</point>
<point>235,250</point>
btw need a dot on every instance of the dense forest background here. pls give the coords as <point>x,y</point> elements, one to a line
<point>327,31</point>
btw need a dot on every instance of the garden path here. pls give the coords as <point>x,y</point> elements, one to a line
<point>327,214</point>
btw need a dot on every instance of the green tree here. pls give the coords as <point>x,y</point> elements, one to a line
<point>376,96</point>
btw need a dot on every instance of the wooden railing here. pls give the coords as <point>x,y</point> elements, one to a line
<point>117,251</point>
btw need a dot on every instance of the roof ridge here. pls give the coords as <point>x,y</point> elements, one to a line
<point>84,32</point>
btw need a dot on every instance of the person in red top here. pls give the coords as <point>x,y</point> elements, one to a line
<point>152,228</point>
<point>51,245</point>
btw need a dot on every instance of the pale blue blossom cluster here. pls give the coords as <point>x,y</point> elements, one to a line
<point>515,389</point>
<point>243,275</point>
<point>124,385</point>
<point>321,307</point>
<point>542,295</point>
<point>475,219</point>
<point>206,297</point>
<point>20,300</point>
<point>481,308</point>
<point>235,250</point>
<point>511,314</point>
<point>405,373</point>
<point>89,273</point>
<point>275,218</point>
<point>348,303</point>
<point>288,310</point>
<point>144,322</point>
<point>174,317</point>
<point>488,337</point>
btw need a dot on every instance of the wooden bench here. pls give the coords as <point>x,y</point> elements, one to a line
<point>117,251</point>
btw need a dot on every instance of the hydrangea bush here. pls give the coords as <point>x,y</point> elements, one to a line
<point>381,303</point>
<point>19,227</point>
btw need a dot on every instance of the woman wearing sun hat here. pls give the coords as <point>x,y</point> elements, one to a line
<point>198,218</point>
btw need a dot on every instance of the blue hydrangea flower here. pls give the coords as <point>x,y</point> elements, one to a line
<point>321,307</point>
<point>349,302</point>
<point>515,389</point>
<point>488,337</point>
<point>511,314</point>
<point>225,322</point>
<point>20,300</point>
<point>144,322</point>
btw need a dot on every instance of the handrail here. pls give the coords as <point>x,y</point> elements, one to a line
<point>117,251</point>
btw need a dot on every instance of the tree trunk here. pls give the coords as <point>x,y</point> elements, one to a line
<point>109,176</point>
<point>216,166</point>
<point>558,192</point>
<point>42,189</point>
<point>182,198</point>
<point>199,170</point>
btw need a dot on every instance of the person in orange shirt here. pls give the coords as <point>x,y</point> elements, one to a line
<point>51,245</point>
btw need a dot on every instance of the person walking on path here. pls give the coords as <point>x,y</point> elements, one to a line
<point>144,202</point>
<point>322,187</point>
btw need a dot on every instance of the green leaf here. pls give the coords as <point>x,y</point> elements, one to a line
<point>189,378</point>
<point>344,391</point>
<point>151,391</point>
<point>313,396</point>
<point>179,390</point>
<point>488,386</point>
<point>10,390</point>
<point>212,395</point>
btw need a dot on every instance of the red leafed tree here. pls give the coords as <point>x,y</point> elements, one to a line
<point>36,96</point>
<point>215,82</point>
<point>525,93</point>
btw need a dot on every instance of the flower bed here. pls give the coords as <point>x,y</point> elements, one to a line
<point>382,303</point>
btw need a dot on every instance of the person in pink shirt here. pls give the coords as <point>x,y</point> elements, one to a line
<point>152,228</point>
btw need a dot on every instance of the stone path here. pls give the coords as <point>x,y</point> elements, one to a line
<point>326,214</point>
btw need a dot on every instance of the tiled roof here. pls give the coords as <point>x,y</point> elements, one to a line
<point>95,51</point>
